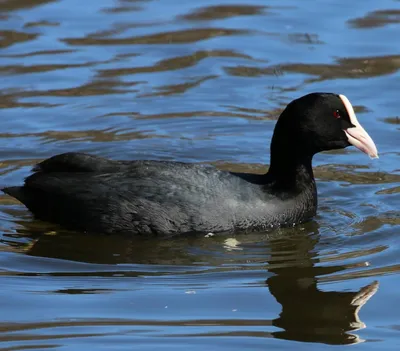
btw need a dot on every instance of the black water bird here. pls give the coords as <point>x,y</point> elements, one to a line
<point>89,193</point>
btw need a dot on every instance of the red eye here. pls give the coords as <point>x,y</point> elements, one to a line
<point>336,114</point>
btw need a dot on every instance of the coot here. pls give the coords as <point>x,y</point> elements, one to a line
<point>88,193</point>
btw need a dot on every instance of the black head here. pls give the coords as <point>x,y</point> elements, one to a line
<point>318,122</point>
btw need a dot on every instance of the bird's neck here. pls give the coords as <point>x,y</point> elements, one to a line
<point>291,159</point>
<point>290,171</point>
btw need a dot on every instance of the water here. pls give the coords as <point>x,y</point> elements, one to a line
<point>200,82</point>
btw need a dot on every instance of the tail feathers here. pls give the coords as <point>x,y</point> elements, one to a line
<point>17,192</point>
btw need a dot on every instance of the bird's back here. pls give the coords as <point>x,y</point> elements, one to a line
<point>148,197</point>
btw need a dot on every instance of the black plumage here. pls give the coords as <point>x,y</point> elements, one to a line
<point>89,193</point>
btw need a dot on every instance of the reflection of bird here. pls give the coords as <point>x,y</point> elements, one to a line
<point>105,249</point>
<point>88,193</point>
<point>308,313</point>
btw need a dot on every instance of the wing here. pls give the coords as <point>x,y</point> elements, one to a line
<point>89,193</point>
<point>82,162</point>
<point>161,202</point>
<point>74,162</point>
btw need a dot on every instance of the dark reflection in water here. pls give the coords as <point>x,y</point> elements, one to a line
<point>175,37</point>
<point>377,18</point>
<point>13,5</point>
<point>360,67</point>
<point>215,12</point>
<point>9,38</point>
<point>307,312</point>
<point>174,63</point>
